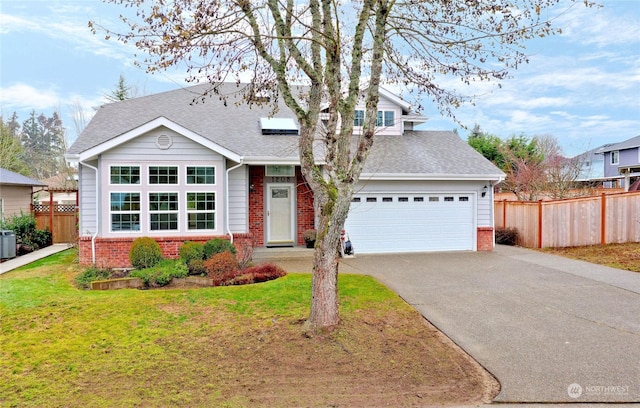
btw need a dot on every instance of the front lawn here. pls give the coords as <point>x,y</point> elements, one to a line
<point>223,346</point>
<point>621,256</point>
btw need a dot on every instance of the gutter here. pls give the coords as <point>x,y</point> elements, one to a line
<point>226,198</point>
<point>93,237</point>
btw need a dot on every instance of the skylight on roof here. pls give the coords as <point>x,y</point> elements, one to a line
<point>278,126</point>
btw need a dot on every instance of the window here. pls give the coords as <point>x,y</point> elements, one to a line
<point>448,199</point>
<point>371,199</point>
<point>615,157</point>
<point>201,175</point>
<point>385,118</point>
<point>355,200</point>
<point>358,118</point>
<point>163,175</point>
<point>201,211</point>
<point>463,198</point>
<point>163,211</point>
<point>418,199</point>
<point>403,199</point>
<point>434,199</point>
<point>125,211</point>
<point>280,171</point>
<point>387,199</point>
<point>124,174</point>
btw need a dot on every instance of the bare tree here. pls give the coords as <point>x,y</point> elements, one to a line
<point>561,172</point>
<point>332,47</point>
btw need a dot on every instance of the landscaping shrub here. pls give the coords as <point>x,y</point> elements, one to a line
<point>506,236</point>
<point>221,267</point>
<point>27,235</point>
<point>258,273</point>
<point>42,238</point>
<point>160,274</point>
<point>145,253</point>
<point>83,281</point>
<point>196,267</point>
<point>218,246</point>
<point>190,251</point>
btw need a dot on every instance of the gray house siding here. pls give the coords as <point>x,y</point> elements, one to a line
<point>627,157</point>
<point>238,200</point>
<point>87,199</point>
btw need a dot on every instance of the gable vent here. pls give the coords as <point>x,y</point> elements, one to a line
<point>164,142</point>
<point>278,126</point>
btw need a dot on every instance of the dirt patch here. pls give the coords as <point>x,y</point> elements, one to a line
<point>622,256</point>
<point>397,359</point>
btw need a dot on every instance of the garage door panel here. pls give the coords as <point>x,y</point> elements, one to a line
<point>412,224</point>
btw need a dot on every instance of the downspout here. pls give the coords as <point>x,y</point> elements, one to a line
<point>226,199</point>
<point>93,237</point>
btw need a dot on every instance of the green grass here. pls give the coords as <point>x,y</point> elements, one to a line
<point>61,346</point>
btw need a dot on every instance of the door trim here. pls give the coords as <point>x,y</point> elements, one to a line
<point>292,235</point>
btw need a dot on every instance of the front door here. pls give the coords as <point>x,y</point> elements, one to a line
<point>280,214</point>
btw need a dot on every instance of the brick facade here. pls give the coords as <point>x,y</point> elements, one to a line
<point>485,239</point>
<point>304,205</point>
<point>114,252</point>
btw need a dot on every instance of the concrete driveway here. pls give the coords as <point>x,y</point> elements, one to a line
<point>548,328</point>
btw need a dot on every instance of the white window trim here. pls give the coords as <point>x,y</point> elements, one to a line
<point>186,176</point>
<point>616,154</point>
<point>139,212</point>
<point>292,174</point>
<point>148,175</point>
<point>150,212</point>
<point>188,211</point>
<point>125,165</point>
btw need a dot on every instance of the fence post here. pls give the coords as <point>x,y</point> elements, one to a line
<point>504,213</point>
<point>603,220</point>
<point>539,223</point>
<point>51,214</point>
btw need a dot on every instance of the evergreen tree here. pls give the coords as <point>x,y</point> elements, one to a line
<point>44,144</point>
<point>11,152</point>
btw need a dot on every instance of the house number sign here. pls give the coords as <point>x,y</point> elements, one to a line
<point>281,179</point>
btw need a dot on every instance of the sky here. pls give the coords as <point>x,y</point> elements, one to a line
<point>582,86</point>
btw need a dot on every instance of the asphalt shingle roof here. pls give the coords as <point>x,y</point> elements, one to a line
<point>235,126</point>
<point>627,144</point>
<point>9,177</point>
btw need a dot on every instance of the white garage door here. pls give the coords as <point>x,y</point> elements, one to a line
<point>379,223</point>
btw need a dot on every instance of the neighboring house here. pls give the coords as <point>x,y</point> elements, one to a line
<point>16,193</point>
<point>62,187</point>
<point>592,164</point>
<point>164,167</point>
<point>623,159</point>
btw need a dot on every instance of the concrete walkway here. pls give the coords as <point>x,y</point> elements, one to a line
<point>19,261</point>
<point>550,329</point>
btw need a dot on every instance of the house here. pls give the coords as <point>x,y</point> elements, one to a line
<point>623,159</point>
<point>165,167</point>
<point>16,193</point>
<point>592,163</point>
<point>61,189</point>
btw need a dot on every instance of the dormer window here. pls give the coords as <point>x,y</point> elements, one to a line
<point>386,118</point>
<point>358,118</point>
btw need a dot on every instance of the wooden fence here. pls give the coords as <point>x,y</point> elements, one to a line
<point>604,219</point>
<point>60,219</point>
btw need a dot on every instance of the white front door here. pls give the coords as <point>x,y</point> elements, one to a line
<point>280,214</point>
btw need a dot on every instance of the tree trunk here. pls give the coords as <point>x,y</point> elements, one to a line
<point>334,207</point>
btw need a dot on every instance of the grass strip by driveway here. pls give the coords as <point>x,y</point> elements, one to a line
<point>225,346</point>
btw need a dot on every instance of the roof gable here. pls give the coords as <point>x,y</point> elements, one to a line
<point>149,126</point>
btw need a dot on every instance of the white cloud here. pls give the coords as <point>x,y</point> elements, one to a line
<point>600,26</point>
<point>22,96</point>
